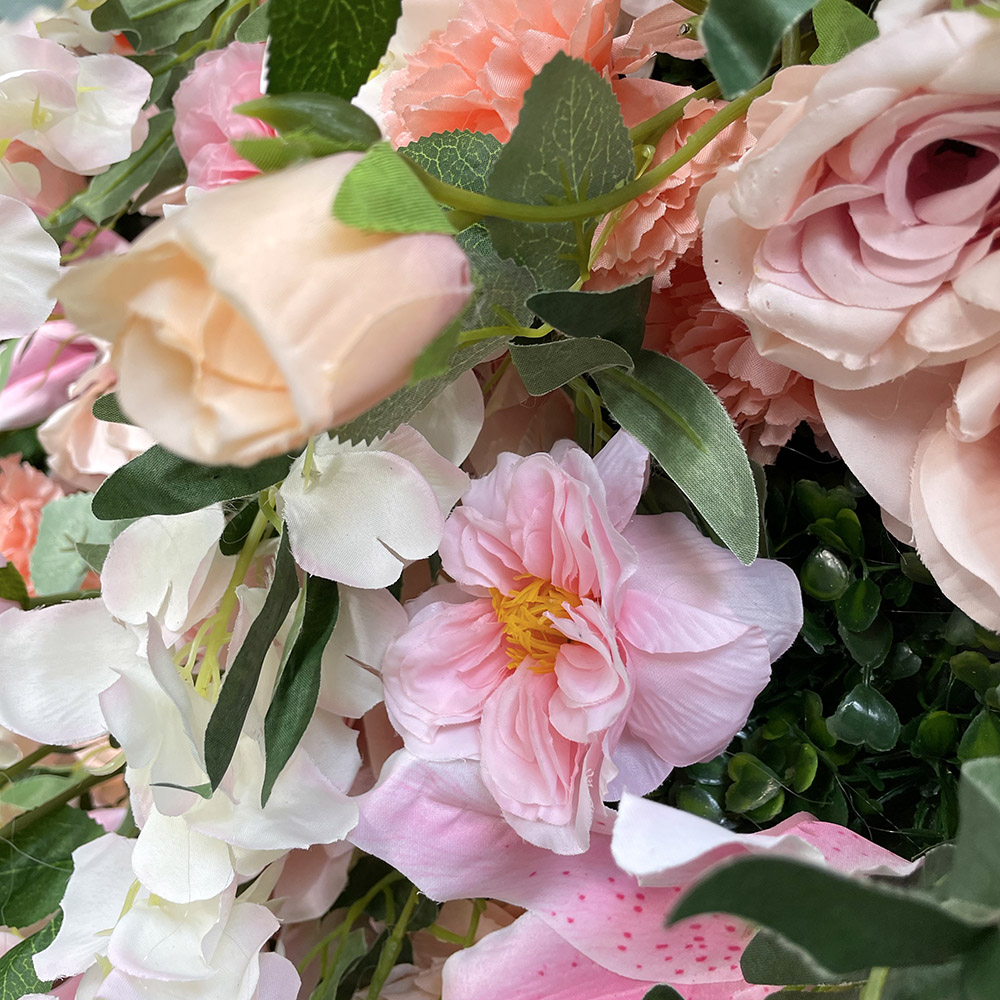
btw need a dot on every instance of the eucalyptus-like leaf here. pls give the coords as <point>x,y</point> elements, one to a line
<point>544,367</point>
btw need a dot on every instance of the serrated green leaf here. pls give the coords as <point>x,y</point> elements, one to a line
<point>12,585</point>
<point>295,695</point>
<point>35,864</point>
<point>327,46</point>
<point>619,315</point>
<point>17,970</point>
<point>108,193</point>
<point>56,565</point>
<point>153,23</point>
<point>842,923</point>
<point>570,144</point>
<point>230,712</point>
<point>501,285</point>
<point>742,38</point>
<point>108,409</point>
<point>464,159</point>
<point>382,194</point>
<point>255,27</point>
<point>332,118</point>
<point>159,482</point>
<point>544,367</point>
<point>865,716</point>
<point>840,28</point>
<point>688,431</point>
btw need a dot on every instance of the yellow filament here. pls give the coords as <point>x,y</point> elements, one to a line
<point>526,615</point>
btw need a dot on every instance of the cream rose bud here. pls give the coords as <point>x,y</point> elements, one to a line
<point>251,319</point>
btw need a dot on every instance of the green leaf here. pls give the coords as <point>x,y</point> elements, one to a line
<point>570,144</point>
<point>981,739</point>
<point>865,716</point>
<point>353,950</point>
<point>842,923</point>
<point>501,285</point>
<point>12,585</point>
<point>255,27</point>
<point>382,194</point>
<point>295,695</point>
<point>56,564</point>
<point>937,734</point>
<point>975,670</point>
<point>975,875</point>
<point>741,38</point>
<point>159,482</point>
<point>345,126</point>
<point>679,419</point>
<point>234,534</point>
<point>849,529</point>
<point>840,28</point>
<point>35,864</point>
<point>662,992</point>
<point>824,575</point>
<point>327,46</point>
<point>17,970</point>
<point>93,555</point>
<point>699,801</point>
<point>859,604</point>
<point>981,970</point>
<point>817,502</point>
<point>770,960</point>
<point>870,646</point>
<point>754,784</point>
<point>110,192</point>
<point>464,159</point>
<point>619,316</point>
<point>158,22</point>
<point>31,792</point>
<point>240,683</point>
<point>544,367</point>
<point>107,408</point>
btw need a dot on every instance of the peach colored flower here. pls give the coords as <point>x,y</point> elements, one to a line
<point>473,74</point>
<point>659,226</point>
<point>857,237</point>
<point>251,319</point>
<point>24,491</point>
<point>767,401</point>
<point>656,28</point>
<point>206,123</point>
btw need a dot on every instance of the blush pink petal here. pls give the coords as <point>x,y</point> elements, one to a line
<point>623,465</point>
<point>657,30</point>
<point>975,411</point>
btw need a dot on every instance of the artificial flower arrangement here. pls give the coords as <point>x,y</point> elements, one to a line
<point>497,499</point>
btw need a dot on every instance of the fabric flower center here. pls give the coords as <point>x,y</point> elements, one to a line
<point>526,615</point>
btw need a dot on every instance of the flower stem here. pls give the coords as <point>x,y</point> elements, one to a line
<point>19,767</point>
<point>392,947</point>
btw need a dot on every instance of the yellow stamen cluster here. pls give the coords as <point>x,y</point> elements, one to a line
<point>526,615</point>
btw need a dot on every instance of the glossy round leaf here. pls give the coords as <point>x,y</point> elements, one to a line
<point>871,646</point>
<point>824,575</point>
<point>981,739</point>
<point>937,734</point>
<point>859,604</point>
<point>865,716</point>
<point>976,670</point>
<point>753,784</point>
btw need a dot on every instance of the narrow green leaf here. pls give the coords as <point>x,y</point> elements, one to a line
<point>464,159</point>
<point>619,315</point>
<point>56,564</point>
<point>840,28</point>
<point>331,118</point>
<point>843,923</point>
<point>17,970</point>
<point>327,46</point>
<point>107,408</point>
<point>975,875</point>
<point>237,528</point>
<point>678,418</point>
<point>570,144</point>
<point>382,194</point>
<point>159,482</point>
<point>255,27</point>
<point>110,192</point>
<point>865,716</point>
<point>35,864</point>
<point>770,960</point>
<point>544,367</point>
<point>12,585</point>
<point>741,38</point>
<point>294,699</point>
<point>353,950</point>
<point>153,23</point>
<point>240,683</point>
<point>202,791</point>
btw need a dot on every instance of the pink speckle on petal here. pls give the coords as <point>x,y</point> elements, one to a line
<point>565,873</point>
<point>622,947</point>
<point>701,958</point>
<point>678,972</point>
<point>699,938</point>
<point>730,928</point>
<point>696,927</point>
<point>638,909</point>
<point>533,874</point>
<point>620,895</point>
<point>640,895</point>
<point>627,934</point>
<point>734,947</point>
<point>569,920</point>
<point>581,896</point>
<point>610,878</point>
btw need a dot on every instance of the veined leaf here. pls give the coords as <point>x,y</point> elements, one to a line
<point>17,970</point>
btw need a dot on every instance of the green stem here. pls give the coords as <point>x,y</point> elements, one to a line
<point>652,128</point>
<point>481,204</point>
<point>19,823</point>
<point>872,990</point>
<point>392,948</point>
<point>24,763</point>
<point>70,595</point>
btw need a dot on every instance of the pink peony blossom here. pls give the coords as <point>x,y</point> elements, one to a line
<point>592,929</point>
<point>580,643</point>
<point>24,491</point>
<point>44,367</point>
<point>473,74</point>
<point>656,228</point>
<point>766,400</point>
<point>206,123</point>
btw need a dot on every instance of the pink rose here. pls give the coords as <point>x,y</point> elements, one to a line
<point>45,366</point>
<point>206,123</point>
<point>24,491</point>
<point>856,237</point>
<point>581,650</point>
<point>767,401</point>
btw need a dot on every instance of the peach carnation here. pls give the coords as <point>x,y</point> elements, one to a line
<point>473,74</point>
<point>767,401</point>
<point>24,491</point>
<point>661,225</point>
